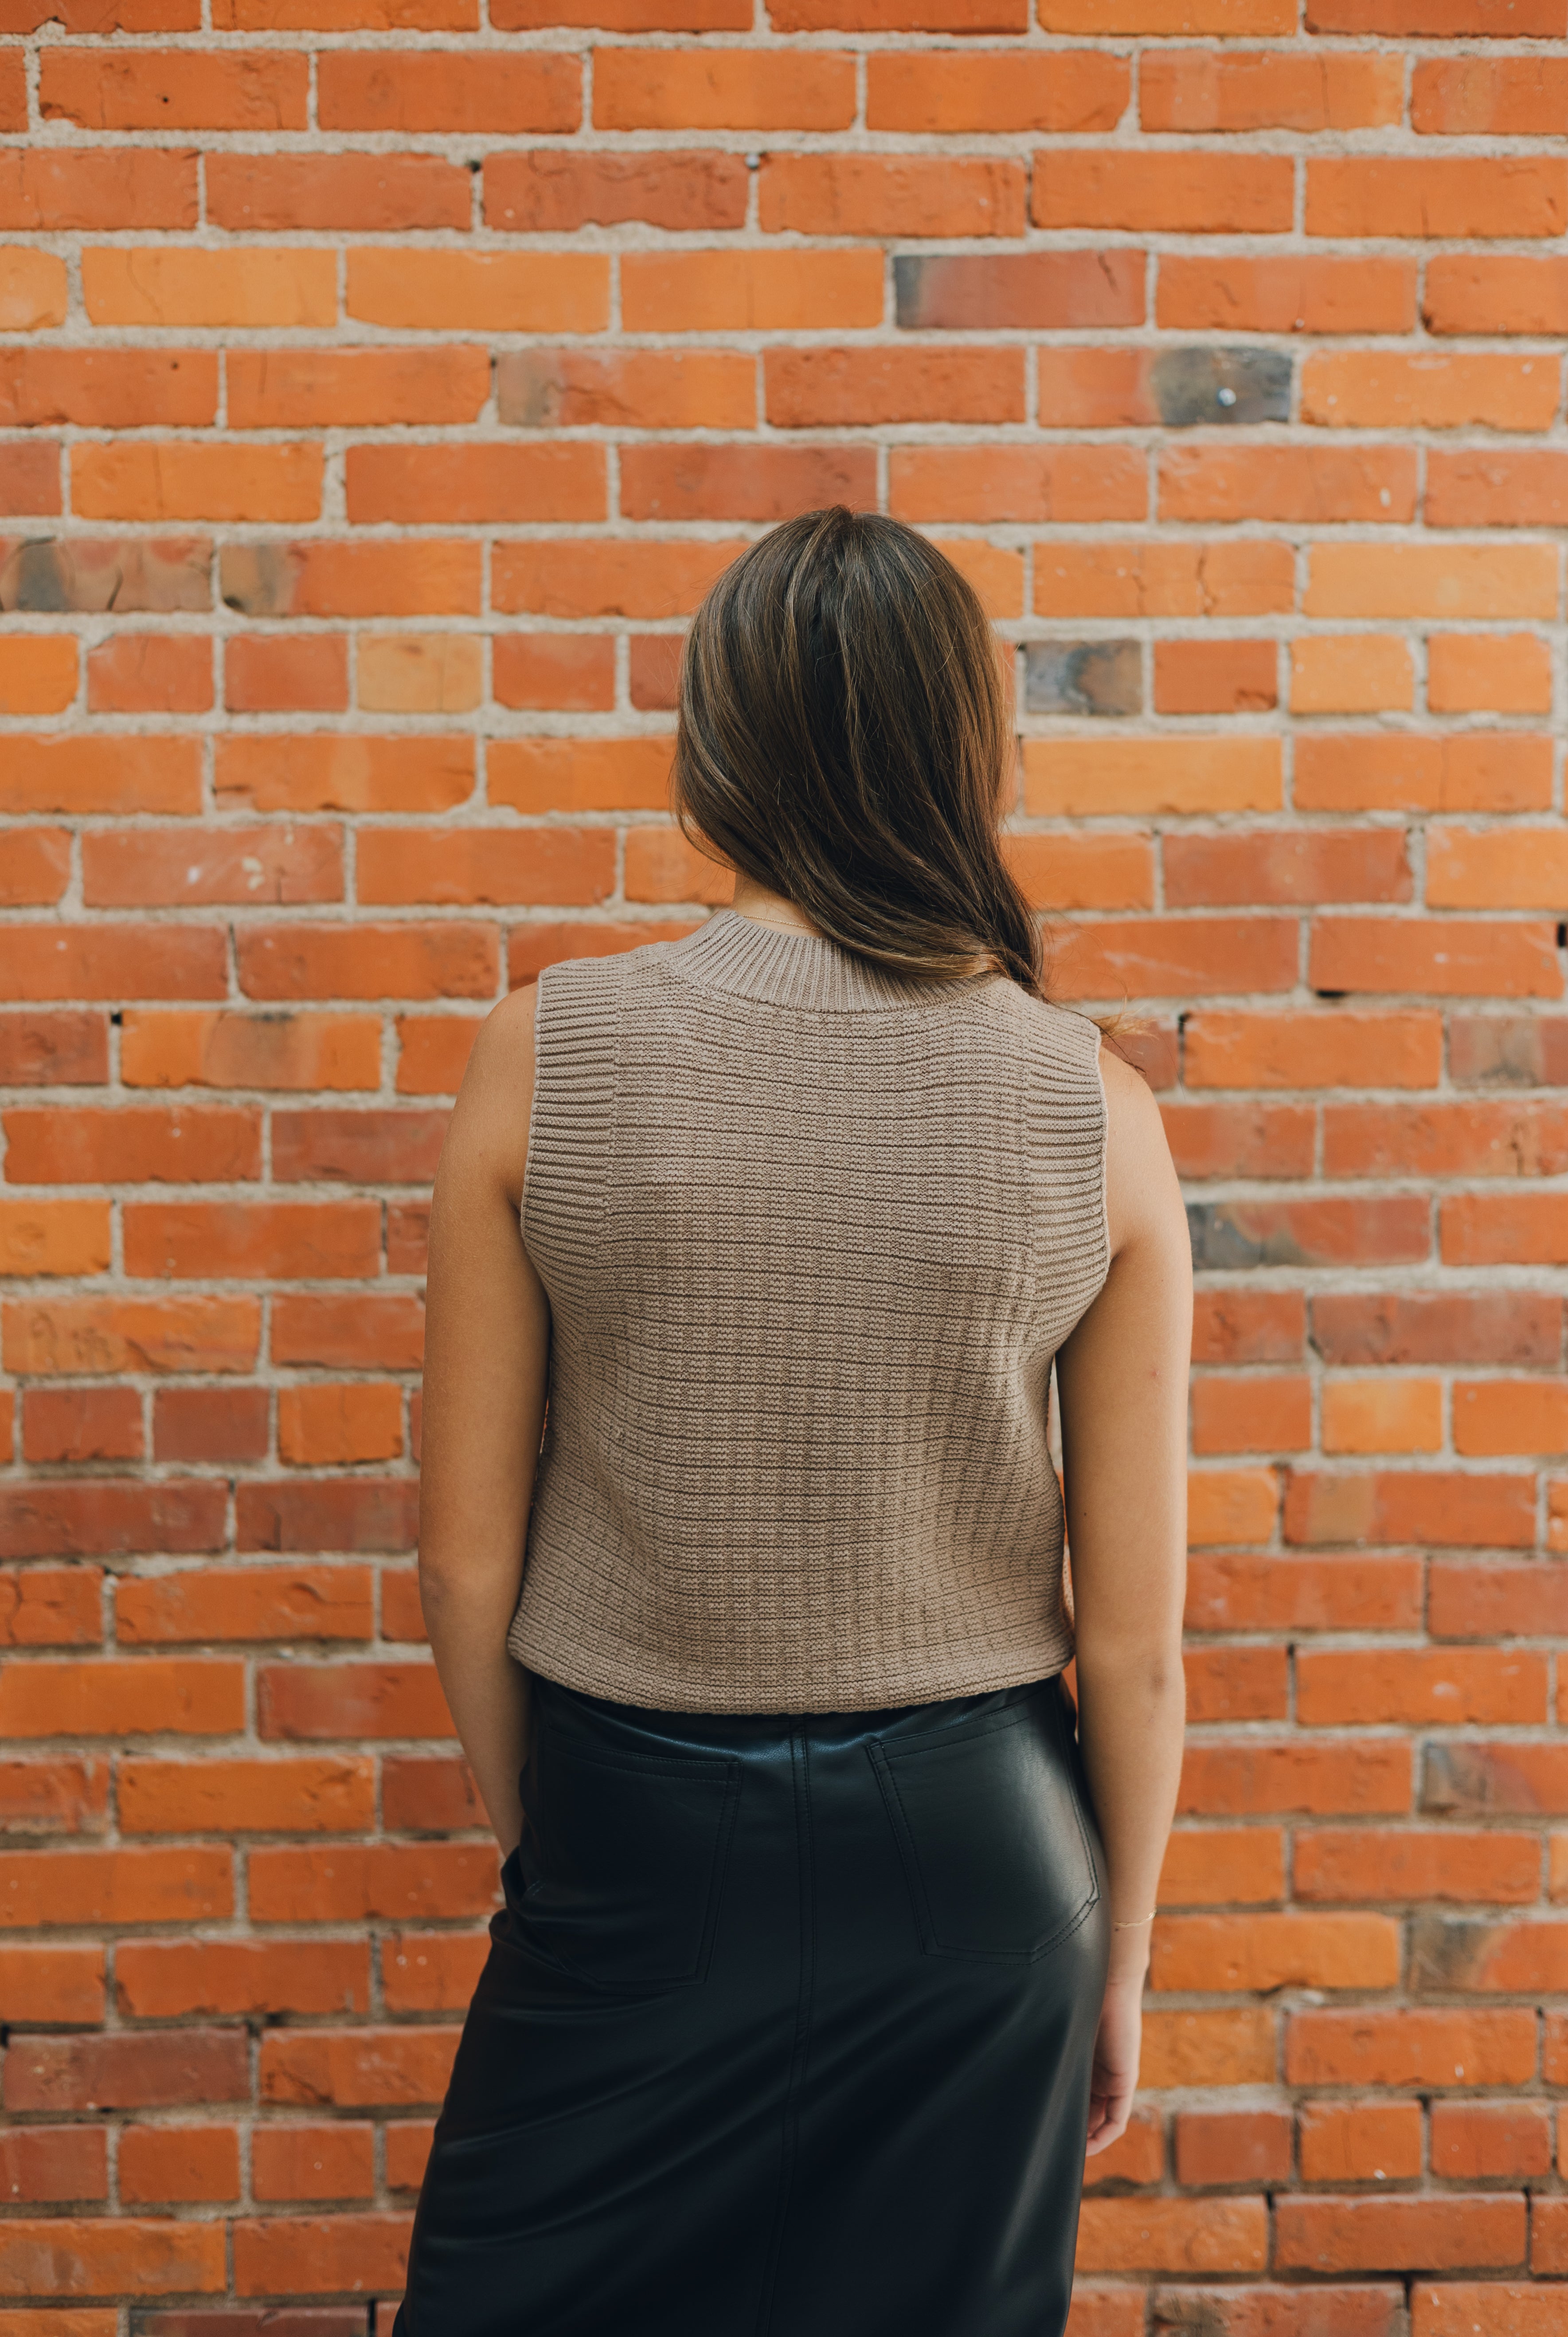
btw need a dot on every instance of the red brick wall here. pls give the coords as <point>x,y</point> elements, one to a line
<point>378,388</point>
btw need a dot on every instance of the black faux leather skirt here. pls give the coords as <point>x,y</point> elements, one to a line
<point>786,2031</point>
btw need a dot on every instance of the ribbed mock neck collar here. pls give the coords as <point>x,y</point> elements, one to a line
<point>740,955</point>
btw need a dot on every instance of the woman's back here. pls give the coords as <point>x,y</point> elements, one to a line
<point>811,1235</point>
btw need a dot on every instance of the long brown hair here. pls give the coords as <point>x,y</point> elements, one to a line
<point>845,740</point>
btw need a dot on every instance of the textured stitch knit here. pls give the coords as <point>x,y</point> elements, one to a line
<point>811,1237</point>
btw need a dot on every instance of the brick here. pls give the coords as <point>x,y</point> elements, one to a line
<point>338,1334</point>
<point>687,481</point>
<point>295,1241</point>
<point>1149,2234</point>
<point>1427,196</point>
<point>1350,673</point>
<point>1504,673</point>
<point>1491,2142</point>
<point>337,771</point>
<point>313,2161</point>
<point>368,961</point>
<point>723,89</point>
<point>189,479</point>
<point>1346,771</point>
<point>419,673</point>
<point>49,1798</point>
<point>1409,2047</point>
<point>422,1794</point>
<point>1444,581</point>
<point>325,1794</point>
<point>159,1980</point>
<point>995,91</point>
<point>85,1424</point>
<point>483,482</point>
<point>50,1050</point>
<point>1287,482</point>
<point>370,1148</point>
<point>1214,2147</point>
<point>1392,2235</point>
<point>148,1695</point>
<point>327,1426</point>
<point>432,1051</point>
<point>251,194</point>
<point>267,1052</point>
<point>1187,194</point>
<point>1380,1865</point>
<point>1205,89</point>
<point>1461,955</point>
<point>1232,1953</point>
<point>1357,390</point>
<point>486,293</point>
<point>691,291</point>
<point>568,670</point>
<point>33,290</point>
<point>982,291</point>
<point>349,1883</point>
<point>1259,2311</point>
<point>340,1700</point>
<point>42,2166</point>
<point>1484,2308</point>
<point>150,673</point>
<point>1485,97</point>
<point>226,1603</point>
<point>1063,777</point>
<point>1233,2048</point>
<point>1257,1778</point>
<point>158,2070</point>
<point>431,1971</point>
<point>111,2256</point>
<point>430,576</point>
<point>1215,677</point>
<point>51,1607</point>
<point>93,573</point>
<point>263,674</point>
<point>1102,388</point>
<point>42,1237</point>
<point>1443,18</point>
<point>210,1424</point>
<point>565,388</point>
<point>43,387</point>
<point>174,89</point>
<point>1052,483</point>
<point>124,284</point>
<point>273,864</point>
<point>54,1983</point>
<point>449,90</point>
<point>903,195</point>
<point>30,477</point>
<point>86,775</point>
<point>347,1513</point>
<point>188,2164</point>
<point>1098,677</point>
<point>37,866</point>
<point>55,189</point>
<point>279,2257</point>
<point>1360,2142</point>
<point>1296,293</point>
<point>180,1335</point>
<point>303,389</point>
<point>1133,579</point>
<point>1467,293</point>
<point>553,192</point>
<point>536,775</point>
<point>1503,490</point>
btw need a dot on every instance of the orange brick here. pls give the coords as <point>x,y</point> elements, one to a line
<point>727,482</point>
<point>1059,482</point>
<point>242,1050</point>
<point>486,483</point>
<point>824,389</point>
<point>174,89</point>
<point>1487,97</point>
<point>1506,489</point>
<point>41,387</point>
<point>995,91</point>
<point>302,389</point>
<point>903,195</point>
<point>1504,673</point>
<point>37,673</point>
<point>1350,673</point>
<point>428,577</point>
<point>1356,390</point>
<point>1237,19</point>
<point>124,284</point>
<point>33,290</point>
<point>1394,195</point>
<point>186,479</point>
<point>433,1052</point>
<point>1269,88</point>
<point>279,193</point>
<point>1424,580</point>
<point>487,865</point>
<point>313,2161</point>
<point>626,577</point>
<point>1467,293</point>
<point>1182,579</point>
<point>556,192</point>
<point>97,187</point>
<point>322,1426</point>
<point>1292,294</point>
<point>338,771</point>
<point>37,866</point>
<point>484,292</point>
<point>469,90</point>
<point>1062,777</point>
<point>751,291</point>
<point>150,673</point>
<point>1219,481</point>
<point>1360,2142</point>
<point>1188,193</point>
<point>723,89</point>
<point>265,673</point>
<point>569,671</point>
<point>419,673</point>
<point>188,2164</point>
<point>546,388</point>
<point>445,960</point>
<point>1513,868</point>
<point>1215,677</point>
<point>1491,2142</point>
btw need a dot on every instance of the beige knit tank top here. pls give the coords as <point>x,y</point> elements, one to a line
<point>811,1237</point>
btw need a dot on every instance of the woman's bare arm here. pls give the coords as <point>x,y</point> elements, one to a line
<point>486,1372</point>
<point>1122,1379</point>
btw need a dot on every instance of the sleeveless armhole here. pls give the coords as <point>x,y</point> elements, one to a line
<point>1105,1156</point>
<point>572,1122</point>
<point>1066,1121</point>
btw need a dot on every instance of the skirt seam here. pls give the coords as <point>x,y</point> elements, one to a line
<point>800,1762</point>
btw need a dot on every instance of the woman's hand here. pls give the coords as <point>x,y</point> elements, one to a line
<point>1115,2071</point>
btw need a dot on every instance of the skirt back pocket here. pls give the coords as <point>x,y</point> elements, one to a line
<point>991,1830</point>
<point>622,1861</point>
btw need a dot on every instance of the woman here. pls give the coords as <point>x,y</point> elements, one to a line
<point>824,1932</point>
